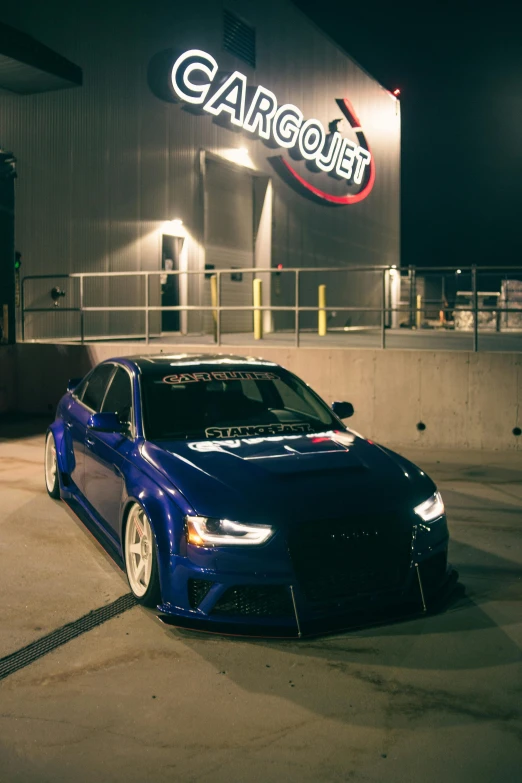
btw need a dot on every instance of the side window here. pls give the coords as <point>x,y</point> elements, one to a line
<point>119,397</point>
<point>80,389</point>
<point>93,394</point>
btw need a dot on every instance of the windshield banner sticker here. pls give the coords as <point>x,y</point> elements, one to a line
<point>221,375</point>
<point>256,429</point>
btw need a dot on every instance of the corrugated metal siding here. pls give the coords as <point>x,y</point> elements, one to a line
<point>101,167</point>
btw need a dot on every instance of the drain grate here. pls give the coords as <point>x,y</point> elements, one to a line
<point>32,652</point>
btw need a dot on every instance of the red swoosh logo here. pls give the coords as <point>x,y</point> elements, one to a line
<point>349,112</point>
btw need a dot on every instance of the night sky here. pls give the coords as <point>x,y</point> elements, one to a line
<point>459,68</point>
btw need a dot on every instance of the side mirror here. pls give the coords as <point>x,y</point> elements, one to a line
<point>72,383</point>
<point>105,422</point>
<point>343,410</point>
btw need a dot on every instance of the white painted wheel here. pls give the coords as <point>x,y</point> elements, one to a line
<point>51,467</point>
<point>139,551</point>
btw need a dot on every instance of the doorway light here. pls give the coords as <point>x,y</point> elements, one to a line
<point>238,155</point>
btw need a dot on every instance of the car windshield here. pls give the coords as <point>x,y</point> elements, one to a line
<point>232,403</point>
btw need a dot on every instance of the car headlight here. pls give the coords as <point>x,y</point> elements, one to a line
<point>431,509</point>
<point>206,531</point>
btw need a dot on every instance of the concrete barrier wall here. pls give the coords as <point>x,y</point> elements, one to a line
<point>465,400</point>
<point>8,359</point>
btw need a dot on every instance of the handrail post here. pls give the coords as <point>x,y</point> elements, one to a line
<point>413,294</point>
<point>82,325</point>
<point>297,308</point>
<point>147,303</point>
<point>258,303</point>
<point>213,303</point>
<point>383,310</point>
<point>218,308</point>
<point>321,313</point>
<point>22,303</point>
<point>475,306</point>
<point>418,312</point>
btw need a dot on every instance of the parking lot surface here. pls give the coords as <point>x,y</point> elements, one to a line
<point>434,698</point>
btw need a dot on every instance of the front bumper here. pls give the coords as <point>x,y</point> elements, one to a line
<point>260,593</point>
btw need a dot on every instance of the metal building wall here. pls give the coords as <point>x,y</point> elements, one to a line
<point>103,166</point>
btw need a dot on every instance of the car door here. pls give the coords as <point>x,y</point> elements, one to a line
<point>106,452</point>
<point>86,399</point>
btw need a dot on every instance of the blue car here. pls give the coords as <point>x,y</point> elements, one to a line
<point>238,500</point>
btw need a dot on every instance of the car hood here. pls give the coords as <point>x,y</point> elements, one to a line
<point>287,477</point>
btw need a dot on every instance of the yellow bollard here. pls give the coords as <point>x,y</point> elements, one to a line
<point>321,315</point>
<point>258,314</point>
<point>213,302</point>
<point>418,315</point>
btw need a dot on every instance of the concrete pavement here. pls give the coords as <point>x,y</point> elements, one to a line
<point>436,698</point>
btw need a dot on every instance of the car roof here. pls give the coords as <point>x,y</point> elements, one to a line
<point>157,362</point>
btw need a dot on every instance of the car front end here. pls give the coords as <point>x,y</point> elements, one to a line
<point>284,518</point>
<point>292,571</point>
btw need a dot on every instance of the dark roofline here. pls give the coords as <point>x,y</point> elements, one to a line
<point>25,49</point>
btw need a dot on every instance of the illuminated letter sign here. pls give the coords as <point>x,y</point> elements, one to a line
<point>287,122</point>
<point>311,139</point>
<point>260,113</point>
<point>188,63</point>
<point>193,75</point>
<point>230,98</point>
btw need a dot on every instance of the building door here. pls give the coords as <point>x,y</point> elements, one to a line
<point>170,253</point>
<point>229,238</point>
<point>7,251</point>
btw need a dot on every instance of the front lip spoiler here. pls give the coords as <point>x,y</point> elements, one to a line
<point>438,602</point>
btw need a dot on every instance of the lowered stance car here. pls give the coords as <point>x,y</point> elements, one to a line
<point>238,500</point>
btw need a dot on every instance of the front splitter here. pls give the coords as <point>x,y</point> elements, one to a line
<point>351,621</point>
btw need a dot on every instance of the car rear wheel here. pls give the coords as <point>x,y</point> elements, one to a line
<point>51,467</point>
<point>141,562</point>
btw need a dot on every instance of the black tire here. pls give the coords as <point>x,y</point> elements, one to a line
<point>52,482</point>
<point>152,594</point>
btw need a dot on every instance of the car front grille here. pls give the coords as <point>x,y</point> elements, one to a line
<point>257,601</point>
<point>197,590</point>
<point>339,560</point>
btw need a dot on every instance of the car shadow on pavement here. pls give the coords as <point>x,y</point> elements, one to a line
<point>451,664</point>
<point>462,635</point>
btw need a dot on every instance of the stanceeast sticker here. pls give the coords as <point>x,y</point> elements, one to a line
<point>221,375</point>
<point>257,429</point>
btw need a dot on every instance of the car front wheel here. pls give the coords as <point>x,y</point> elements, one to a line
<point>51,467</point>
<point>141,562</point>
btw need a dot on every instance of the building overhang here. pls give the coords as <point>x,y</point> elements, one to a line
<point>28,66</point>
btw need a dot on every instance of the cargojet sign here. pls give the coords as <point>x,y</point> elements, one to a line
<point>285,126</point>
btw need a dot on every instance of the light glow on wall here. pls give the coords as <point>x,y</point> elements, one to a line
<point>239,156</point>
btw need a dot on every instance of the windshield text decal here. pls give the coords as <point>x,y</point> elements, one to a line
<point>256,429</point>
<point>222,375</point>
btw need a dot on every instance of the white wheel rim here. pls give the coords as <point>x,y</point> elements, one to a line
<point>50,463</point>
<point>138,551</point>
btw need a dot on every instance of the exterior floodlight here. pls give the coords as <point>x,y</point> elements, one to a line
<point>177,223</point>
<point>459,271</point>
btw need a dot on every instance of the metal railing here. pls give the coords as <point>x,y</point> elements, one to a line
<point>415,310</point>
